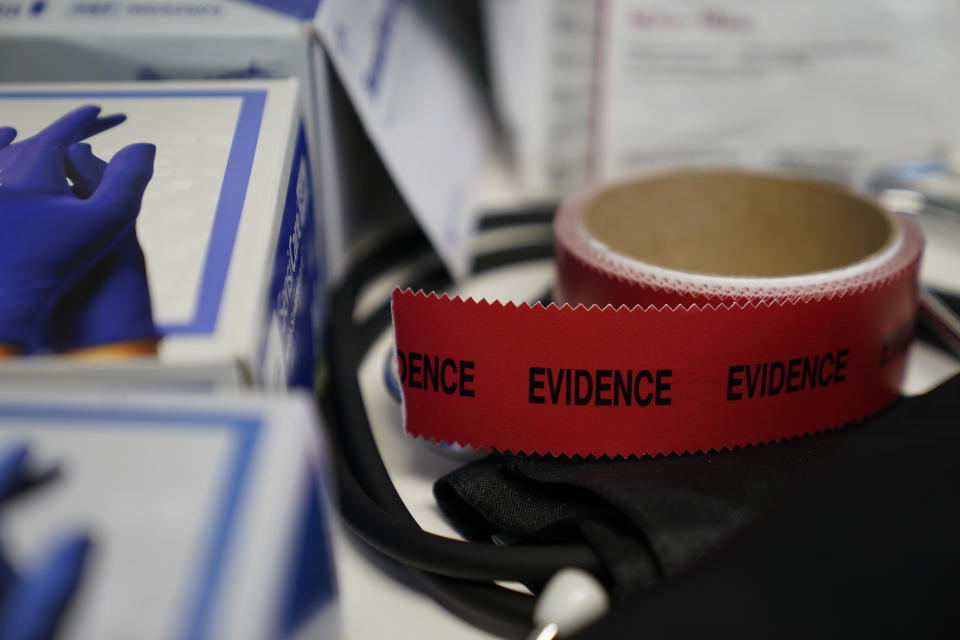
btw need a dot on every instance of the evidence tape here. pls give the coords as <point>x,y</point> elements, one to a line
<point>698,311</point>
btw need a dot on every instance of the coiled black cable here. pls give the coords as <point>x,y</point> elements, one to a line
<point>458,574</point>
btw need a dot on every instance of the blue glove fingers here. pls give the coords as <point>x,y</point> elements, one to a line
<point>115,203</point>
<point>39,598</point>
<point>11,468</point>
<point>101,124</point>
<point>69,128</point>
<point>84,169</point>
<point>37,163</point>
<point>80,124</point>
<point>110,303</point>
<point>7,134</point>
<point>124,180</point>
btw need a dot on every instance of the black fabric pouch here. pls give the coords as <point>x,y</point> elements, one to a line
<point>647,518</point>
<point>838,534</point>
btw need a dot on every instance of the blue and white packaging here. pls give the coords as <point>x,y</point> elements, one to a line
<point>207,516</point>
<point>125,40</point>
<point>130,40</point>
<point>414,95</point>
<point>226,229</point>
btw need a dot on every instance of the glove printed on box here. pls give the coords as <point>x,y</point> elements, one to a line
<point>72,273</point>
<point>35,593</point>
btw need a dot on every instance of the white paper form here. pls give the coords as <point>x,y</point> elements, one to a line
<point>541,58</point>
<point>421,111</point>
<point>833,88</point>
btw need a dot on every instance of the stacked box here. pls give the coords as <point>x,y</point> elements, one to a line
<point>224,293</point>
<point>204,516</point>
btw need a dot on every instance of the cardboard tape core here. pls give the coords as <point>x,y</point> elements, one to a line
<point>737,224</point>
<point>702,310</point>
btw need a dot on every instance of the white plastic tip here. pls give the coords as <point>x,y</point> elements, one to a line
<point>549,632</point>
<point>571,599</point>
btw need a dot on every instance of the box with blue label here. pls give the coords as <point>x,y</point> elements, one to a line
<point>426,120</point>
<point>164,516</point>
<point>127,40</point>
<point>157,234</point>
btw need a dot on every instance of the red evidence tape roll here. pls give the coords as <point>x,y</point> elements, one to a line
<point>699,310</point>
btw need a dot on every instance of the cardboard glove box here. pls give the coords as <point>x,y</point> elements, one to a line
<point>130,40</point>
<point>207,516</point>
<point>225,294</point>
<point>405,83</point>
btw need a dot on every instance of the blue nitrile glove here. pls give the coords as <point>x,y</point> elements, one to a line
<point>111,302</point>
<point>36,599</point>
<point>50,236</point>
<point>33,601</point>
<point>12,470</point>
